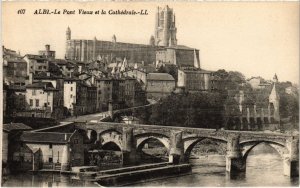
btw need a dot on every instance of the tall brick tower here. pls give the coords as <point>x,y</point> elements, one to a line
<point>68,38</point>
<point>165,29</point>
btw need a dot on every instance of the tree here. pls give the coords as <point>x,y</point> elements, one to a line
<point>190,110</point>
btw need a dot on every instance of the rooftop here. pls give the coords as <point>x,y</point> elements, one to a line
<point>42,85</point>
<point>15,126</point>
<point>46,137</point>
<point>160,77</point>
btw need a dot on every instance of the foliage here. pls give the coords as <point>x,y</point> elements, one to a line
<point>231,80</point>
<point>289,103</point>
<point>189,109</point>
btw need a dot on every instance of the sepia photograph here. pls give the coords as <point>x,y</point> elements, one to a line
<point>150,94</point>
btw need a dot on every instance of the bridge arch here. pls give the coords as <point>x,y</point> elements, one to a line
<point>111,136</point>
<point>247,147</point>
<point>92,135</point>
<point>191,142</point>
<point>142,139</point>
<point>111,146</point>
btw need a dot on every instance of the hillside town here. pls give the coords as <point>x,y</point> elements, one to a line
<point>46,100</point>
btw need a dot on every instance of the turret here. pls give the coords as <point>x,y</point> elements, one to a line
<point>275,78</point>
<point>114,39</point>
<point>274,100</point>
<point>68,34</point>
<point>152,41</point>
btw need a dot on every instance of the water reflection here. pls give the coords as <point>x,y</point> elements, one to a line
<point>262,170</point>
<point>44,180</point>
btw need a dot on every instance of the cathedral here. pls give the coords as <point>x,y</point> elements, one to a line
<point>162,46</point>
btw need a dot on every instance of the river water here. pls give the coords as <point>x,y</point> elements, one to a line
<point>262,170</point>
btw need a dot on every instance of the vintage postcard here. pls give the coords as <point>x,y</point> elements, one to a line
<point>163,94</point>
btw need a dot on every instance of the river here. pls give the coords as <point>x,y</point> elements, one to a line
<point>262,170</point>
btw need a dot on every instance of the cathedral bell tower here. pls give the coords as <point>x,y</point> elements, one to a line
<point>68,34</point>
<point>165,29</point>
<point>68,38</point>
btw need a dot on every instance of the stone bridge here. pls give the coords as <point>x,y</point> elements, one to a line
<point>180,141</point>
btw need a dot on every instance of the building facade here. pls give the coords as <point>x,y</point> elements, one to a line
<point>253,110</point>
<point>163,46</point>
<point>36,63</point>
<point>41,99</point>
<point>165,27</point>
<point>159,85</point>
<point>50,54</point>
<point>14,68</point>
<point>194,79</point>
<point>58,151</point>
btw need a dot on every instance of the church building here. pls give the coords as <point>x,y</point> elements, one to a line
<point>161,48</point>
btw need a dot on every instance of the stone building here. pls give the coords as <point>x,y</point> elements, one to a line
<point>14,67</point>
<point>41,99</point>
<point>58,84</point>
<point>258,82</point>
<point>194,79</point>
<point>163,46</point>
<point>139,75</point>
<point>159,85</point>
<point>36,63</point>
<point>79,97</point>
<point>253,109</point>
<point>50,54</point>
<point>89,50</point>
<point>181,56</point>
<point>9,131</point>
<point>120,92</point>
<point>58,151</point>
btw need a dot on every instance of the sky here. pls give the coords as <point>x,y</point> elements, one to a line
<point>255,38</point>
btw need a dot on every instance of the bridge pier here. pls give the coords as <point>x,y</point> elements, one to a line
<point>176,154</point>
<point>235,163</point>
<point>129,147</point>
<point>291,160</point>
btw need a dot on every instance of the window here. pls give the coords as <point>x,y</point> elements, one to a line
<point>50,146</point>
<point>75,141</point>
<point>37,101</point>
<point>31,102</point>
<point>34,92</point>
<point>50,160</point>
<point>71,96</point>
<point>71,88</point>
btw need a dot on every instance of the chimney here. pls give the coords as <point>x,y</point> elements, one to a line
<point>47,47</point>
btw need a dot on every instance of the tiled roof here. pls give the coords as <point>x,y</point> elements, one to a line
<point>59,61</point>
<point>44,85</point>
<point>17,87</point>
<point>36,57</point>
<point>196,70</point>
<point>181,47</point>
<point>16,126</point>
<point>46,137</point>
<point>160,76</point>
<point>15,60</point>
